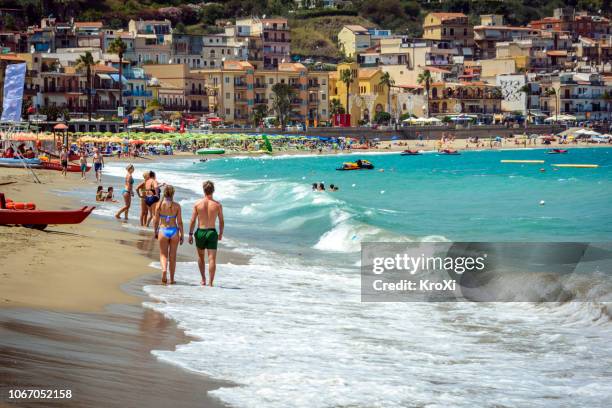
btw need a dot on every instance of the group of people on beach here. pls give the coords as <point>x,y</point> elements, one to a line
<point>158,206</point>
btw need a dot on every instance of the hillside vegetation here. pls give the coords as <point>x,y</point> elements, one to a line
<point>314,30</point>
<point>317,37</point>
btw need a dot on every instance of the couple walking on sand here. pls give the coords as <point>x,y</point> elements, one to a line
<point>168,223</point>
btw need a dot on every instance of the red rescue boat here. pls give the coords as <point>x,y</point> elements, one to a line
<point>56,165</point>
<point>40,219</point>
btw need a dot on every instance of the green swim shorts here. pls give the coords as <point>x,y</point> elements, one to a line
<point>206,238</point>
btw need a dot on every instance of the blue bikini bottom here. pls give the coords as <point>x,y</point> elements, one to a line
<point>168,232</point>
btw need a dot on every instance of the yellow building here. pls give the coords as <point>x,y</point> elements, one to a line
<point>353,39</point>
<point>447,98</point>
<point>179,89</point>
<point>365,94</point>
<point>450,27</point>
<point>238,88</point>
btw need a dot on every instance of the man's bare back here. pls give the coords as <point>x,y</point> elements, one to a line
<point>205,212</point>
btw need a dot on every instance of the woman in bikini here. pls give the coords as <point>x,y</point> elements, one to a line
<point>141,190</point>
<point>127,193</point>
<point>152,192</point>
<point>169,232</point>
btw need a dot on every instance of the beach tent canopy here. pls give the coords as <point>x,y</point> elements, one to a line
<point>560,118</point>
<point>586,132</point>
<point>421,120</point>
<point>60,126</point>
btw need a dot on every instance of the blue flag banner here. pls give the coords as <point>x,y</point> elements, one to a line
<point>14,80</point>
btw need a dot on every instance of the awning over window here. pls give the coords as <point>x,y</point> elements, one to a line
<point>115,77</point>
<point>103,76</point>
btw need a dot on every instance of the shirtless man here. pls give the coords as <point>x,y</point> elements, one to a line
<point>64,161</point>
<point>206,212</point>
<point>98,161</point>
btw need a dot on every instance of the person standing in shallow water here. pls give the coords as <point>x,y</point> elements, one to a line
<point>127,193</point>
<point>168,224</point>
<point>205,212</point>
<point>141,190</point>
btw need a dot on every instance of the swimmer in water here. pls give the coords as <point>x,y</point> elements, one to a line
<point>333,187</point>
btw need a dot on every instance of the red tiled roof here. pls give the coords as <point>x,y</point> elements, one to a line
<point>448,16</point>
<point>9,57</point>
<point>439,70</point>
<point>104,68</point>
<point>88,24</point>
<point>557,53</point>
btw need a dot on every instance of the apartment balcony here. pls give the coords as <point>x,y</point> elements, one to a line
<point>295,87</point>
<point>277,28</point>
<point>138,93</point>
<point>240,100</point>
<point>296,101</point>
<point>63,89</point>
<point>196,92</point>
<point>240,84</point>
<point>175,107</point>
<point>261,101</point>
<point>313,101</point>
<point>241,117</point>
<point>199,109</point>
<point>259,85</point>
<point>314,85</point>
<point>580,97</point>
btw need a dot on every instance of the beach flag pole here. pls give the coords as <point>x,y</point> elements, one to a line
<point>14,82</point>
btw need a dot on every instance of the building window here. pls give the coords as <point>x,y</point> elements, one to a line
<point>227,95</point>
<point>271,81</point>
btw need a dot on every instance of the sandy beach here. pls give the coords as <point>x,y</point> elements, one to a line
<point>71,314</point>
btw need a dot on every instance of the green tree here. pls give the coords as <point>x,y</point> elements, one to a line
<point>346,77</point>
<point>382,117</point>
<point>86,62</point>
<point>424,78</point>
<point>139,113</point>
<point>388,82</point>
<point>335,107</point>
<point>281,102</point>
<point>119,47</point>
<point>258,114</point>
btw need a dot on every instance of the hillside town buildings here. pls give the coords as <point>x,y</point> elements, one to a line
<point>557,64</point>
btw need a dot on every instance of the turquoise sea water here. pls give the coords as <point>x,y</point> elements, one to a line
<point>289,328</point>
<point>467,197</point>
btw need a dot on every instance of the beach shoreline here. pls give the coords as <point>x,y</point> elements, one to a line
<point>385,147</point>
<point>71,301</point>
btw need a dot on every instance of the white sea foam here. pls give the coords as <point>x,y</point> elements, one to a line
<point>298,335</point>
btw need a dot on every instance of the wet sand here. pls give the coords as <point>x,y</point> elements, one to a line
<point>103,358</point>
<point>71,314</point>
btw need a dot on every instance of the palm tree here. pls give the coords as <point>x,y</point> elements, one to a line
<point>86,61</point>
<point>119,47</point>
<point>139,112</point>
<point>346,76</point>
<point>386,80</point>
<point>425,78</point>
<point>551,92</point>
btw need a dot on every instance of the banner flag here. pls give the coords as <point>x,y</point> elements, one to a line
<point>14,80</point>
